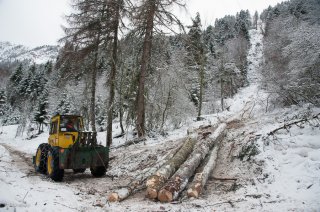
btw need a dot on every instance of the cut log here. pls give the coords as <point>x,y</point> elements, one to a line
<point>138,183</point>
<point>157,180</point>
<point>201,177</point>
<point>179,180</point>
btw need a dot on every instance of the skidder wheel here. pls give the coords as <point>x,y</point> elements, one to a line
<point>79,170</point>
<point>98,171</point>
<point>40,164</point>
<point>53,169</point>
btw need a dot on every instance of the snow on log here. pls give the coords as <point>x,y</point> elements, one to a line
<point>137,183</point>
<point>157,180</point>
<point>201,177</point>
<point>179,180</point>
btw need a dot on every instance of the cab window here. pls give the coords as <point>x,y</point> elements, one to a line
<point>53,127</point>
<point>70,124</point>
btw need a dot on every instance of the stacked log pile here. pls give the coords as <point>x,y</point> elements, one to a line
<point>157,180</point>
<point>138,183</point>
<point>178,182</point>
<point>170,176</point>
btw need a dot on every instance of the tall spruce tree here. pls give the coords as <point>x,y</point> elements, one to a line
<point>86,34</point>
<point>115,9</point>
<point>3,101</point>
<point>150,15</point>
<point>196,48</point>
<point>243,23</point>
<point>41,113</point>
<point>13,86</point>
<point>255,20</point>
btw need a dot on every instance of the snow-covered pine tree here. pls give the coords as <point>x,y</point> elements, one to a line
<point>243,23</point>
<point>100,114</point>
<point>64,106</point>
<point>41,113</point>
<point>224,29</point>
<point>255,20</point>
<point>3,101</point>
<point>209,40</point>
<point>196,61</point>
<point>15,80</point>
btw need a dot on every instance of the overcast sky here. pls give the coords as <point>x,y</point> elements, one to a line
<point>38,22</point>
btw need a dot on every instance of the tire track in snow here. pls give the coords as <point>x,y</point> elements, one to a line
<point>21,159</point>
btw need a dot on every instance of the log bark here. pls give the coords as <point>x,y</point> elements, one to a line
<point>201,177</point>
<point>179,180</point>
<point>157,180</point>
<point>138,183</point>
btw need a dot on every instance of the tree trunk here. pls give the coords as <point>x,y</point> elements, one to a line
<point>138,183</point>
<point>157,180</point>
<point>121,105</point>
<point>201,177</point>
<point>115,26</point>
<point>222,78</point>
<point>93,87</point>
<point>121,91</point>
<point>144,65</point>
<point>179,180</point>
<point>163,119</point>
<point>201,75</point>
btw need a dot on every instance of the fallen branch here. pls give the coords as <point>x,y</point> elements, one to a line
<point>227,202</point>
<point>179,180</point>
<point>224,178</point>
<point>65,206</point>
<point>286,126</point>
<point>26,195</point>
<point>119,136</point>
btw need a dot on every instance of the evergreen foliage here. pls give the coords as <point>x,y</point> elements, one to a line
<point>64,106</point>
<point>196,61</point>
<point>3,101</point>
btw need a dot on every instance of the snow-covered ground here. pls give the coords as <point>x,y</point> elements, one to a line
<point>284,176</point>
<point>38,55</point>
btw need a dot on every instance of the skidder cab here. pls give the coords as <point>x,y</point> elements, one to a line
<point>70,147</point>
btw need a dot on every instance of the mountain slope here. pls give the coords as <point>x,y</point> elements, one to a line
<point>11,53</point>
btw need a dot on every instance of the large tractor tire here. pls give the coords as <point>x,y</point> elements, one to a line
<point>53,169</point>
<point>40,163</point>
<point>98,171</point>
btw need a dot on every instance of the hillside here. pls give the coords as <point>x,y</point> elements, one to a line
<point>12,53</point>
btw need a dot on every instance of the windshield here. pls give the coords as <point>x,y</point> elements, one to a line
<point>70,124</point>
